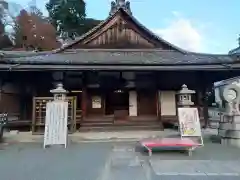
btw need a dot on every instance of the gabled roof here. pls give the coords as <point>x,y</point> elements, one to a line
<point>121,7</point>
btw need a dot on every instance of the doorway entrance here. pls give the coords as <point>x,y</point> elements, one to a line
<point>117,103</point>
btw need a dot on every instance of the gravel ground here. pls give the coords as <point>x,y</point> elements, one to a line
<point>115,161</point>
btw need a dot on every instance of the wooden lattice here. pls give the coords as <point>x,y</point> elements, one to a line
<point>39,113</point>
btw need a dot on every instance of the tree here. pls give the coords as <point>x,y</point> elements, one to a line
<point>5,41</point>
<point>35,11</point>
<point>34,33</point>
<point>69,17</point>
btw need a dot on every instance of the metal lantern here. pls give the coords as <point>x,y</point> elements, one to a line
<point>59,93</point>
<point>185,96</point>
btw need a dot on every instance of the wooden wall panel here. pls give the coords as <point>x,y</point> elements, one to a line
<point>117,38</point>
<point>9,103</point>
<point>117,33</point>
<point>146,103</point>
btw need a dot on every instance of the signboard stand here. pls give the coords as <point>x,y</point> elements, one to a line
<point>56,125</point>
<point>189,126</point>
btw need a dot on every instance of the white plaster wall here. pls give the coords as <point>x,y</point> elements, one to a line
<point>132,103</point>
<point>168,103</point>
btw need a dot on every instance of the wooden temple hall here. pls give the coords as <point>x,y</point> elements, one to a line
<point>118,75</point>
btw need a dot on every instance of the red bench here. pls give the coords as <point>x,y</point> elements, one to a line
<point>170,144</point>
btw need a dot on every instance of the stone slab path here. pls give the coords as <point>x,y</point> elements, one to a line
<point>115,161</point>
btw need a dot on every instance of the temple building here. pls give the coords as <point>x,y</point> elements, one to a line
<point>119,75</point>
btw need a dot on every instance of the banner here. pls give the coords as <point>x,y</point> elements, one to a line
<point>56,123</point>
<point>189,122</point>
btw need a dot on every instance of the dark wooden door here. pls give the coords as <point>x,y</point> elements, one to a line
<point>147,102</point>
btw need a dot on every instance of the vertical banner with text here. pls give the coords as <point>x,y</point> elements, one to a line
<point>56,124</point>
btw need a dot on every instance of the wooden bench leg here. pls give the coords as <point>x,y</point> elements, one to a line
<point>190,151</point>
<point>149,152</point>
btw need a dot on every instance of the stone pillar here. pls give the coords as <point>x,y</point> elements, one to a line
<point>229,125</point>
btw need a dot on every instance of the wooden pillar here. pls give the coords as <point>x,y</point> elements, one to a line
<point>23,109</point>
<point>158,105</point>
<point>84,102</point>
<point>205,108</point>
<point>84,96</point>
<point>204,81</point>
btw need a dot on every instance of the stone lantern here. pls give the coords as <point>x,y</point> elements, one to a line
<point>185,96</point>
<point>59,93</point>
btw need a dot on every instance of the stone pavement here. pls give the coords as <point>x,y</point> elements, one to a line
<point>128,164</point>
<point>90,136</point>
<point>98,136</point>
<point>115,161</point>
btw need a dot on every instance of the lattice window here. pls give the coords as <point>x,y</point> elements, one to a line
<point>39,113</point>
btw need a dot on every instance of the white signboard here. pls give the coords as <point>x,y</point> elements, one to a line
<point>56,124</point>
<point>96,102</point>
<point>189,122</point>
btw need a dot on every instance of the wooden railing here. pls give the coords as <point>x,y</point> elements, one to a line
<point>39,113</point>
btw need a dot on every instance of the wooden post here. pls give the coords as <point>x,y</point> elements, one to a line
<point>157,103</point>
<point>205,108</point>
<point>84,102</point>
<point>84,96</point>
<point>204,80</point>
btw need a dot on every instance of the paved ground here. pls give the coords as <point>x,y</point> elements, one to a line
<point>115,161</point>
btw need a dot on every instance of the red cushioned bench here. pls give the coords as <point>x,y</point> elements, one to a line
<point>170,144</point>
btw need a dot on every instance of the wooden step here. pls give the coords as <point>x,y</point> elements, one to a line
<point>119,123</point>
<point>121,128</point>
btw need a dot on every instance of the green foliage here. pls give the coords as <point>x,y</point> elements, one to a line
<point>67,15</point>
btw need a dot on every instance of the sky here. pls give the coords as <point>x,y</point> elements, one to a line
<point>207,26</point>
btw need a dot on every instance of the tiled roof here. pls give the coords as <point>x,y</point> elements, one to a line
<point>17,54</point>
<point>121,57</point>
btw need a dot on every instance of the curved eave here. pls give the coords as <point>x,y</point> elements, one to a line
<point>122,67</point>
